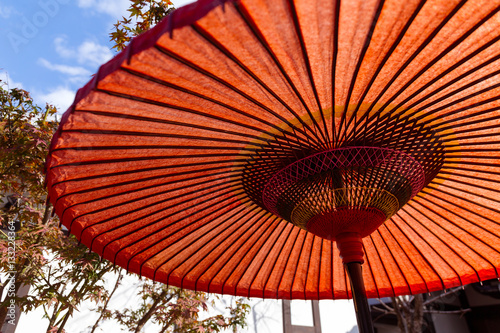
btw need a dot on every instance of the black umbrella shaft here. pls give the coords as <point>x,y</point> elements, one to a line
<point>363,315</point>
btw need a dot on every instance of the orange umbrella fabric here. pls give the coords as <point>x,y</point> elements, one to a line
<point>160,163</point>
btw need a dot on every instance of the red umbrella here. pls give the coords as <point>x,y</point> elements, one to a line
<point>234,146</point>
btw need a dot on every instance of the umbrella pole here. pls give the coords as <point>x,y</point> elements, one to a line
<point>350,246</point>
<point>363,315</point>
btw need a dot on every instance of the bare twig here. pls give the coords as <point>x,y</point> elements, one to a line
<point>383,310</point>
<point>104,308</point>
<point>461,311</point>
<point>386,306</point>
<point>447,293</point>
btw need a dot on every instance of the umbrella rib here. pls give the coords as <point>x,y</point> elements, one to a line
<point>469,176</point>
<point>391,135</point>
<point>143,180</point>
<point>366,45</point>
<point>258,35</point>
<point>139,219</point>
<point>247,268</point>
<point>454,92</point>
<point>396,127</point>
<point>288,257</point>
<point>222,119</point>
<point>470,193</point>
<point>474,136</point>
<point>226,184</point>
<point>396,261</point>
<point>209,38</point>
<point>177,123</point>
<point>179,249</point>
<point>144,207</point>
<point>469,107</point>
<point>448,71</point>
<point>432,247</point>
<point>171,122</point>
<point>438,57</point>
<point>152,223</point>
<point>462,109</point>
<point>308,263</point>
<point>437,188</point>
<point>411,204</point>
<point>266,222</point>
<point>297,262</point>
<point>468,184</point>
<point>188,110</point>
<point>413,56</point>
<point>305,56</point>
<point>244,95</point>
<point>410,243</point>
<point>459,90</point>
<point>163,167</point>
<point>384,266</point>
<point>466,97</point>
<point>291,228</point>
<point>465,231</point>
<point>158,135</point>
<point>273,221</point>
<point>94,200</point>
<point>252,213</point>
<point>367,257</point>
<point>322,240</point>
<point>147,158</point>
<point>441,128</point>
<point>220,212</point>
<point>488,172</point>
<point>256,210</point>
<point>492,165</point>
<point>384,61</point>
<point>334,71</point>
<point>180,147</point>
<point>332,265</point>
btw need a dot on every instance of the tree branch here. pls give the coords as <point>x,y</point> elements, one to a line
<point>451,291</point>
<point>461,311</point>
<point>104,308</point>
<point>386,306</point>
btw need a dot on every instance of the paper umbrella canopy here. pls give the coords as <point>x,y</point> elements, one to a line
<point>252,147</point>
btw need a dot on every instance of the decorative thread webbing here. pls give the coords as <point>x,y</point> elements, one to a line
<point>370,182</point>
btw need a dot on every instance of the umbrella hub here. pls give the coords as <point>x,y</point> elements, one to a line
<point>344,190</point>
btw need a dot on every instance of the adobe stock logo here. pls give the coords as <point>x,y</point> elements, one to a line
<point>31,26</point>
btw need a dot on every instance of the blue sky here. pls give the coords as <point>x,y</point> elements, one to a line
<point>52,47</point>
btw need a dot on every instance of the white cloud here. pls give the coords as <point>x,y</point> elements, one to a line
<point>64,69</point>
<point>7,80</point>
<point>91,52</point>
<point>62,50</point>
<point>6,11</point>
<point>60,97</point>
<point>114,8</point>
<point>88,53</point>
<point>180,3</point>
